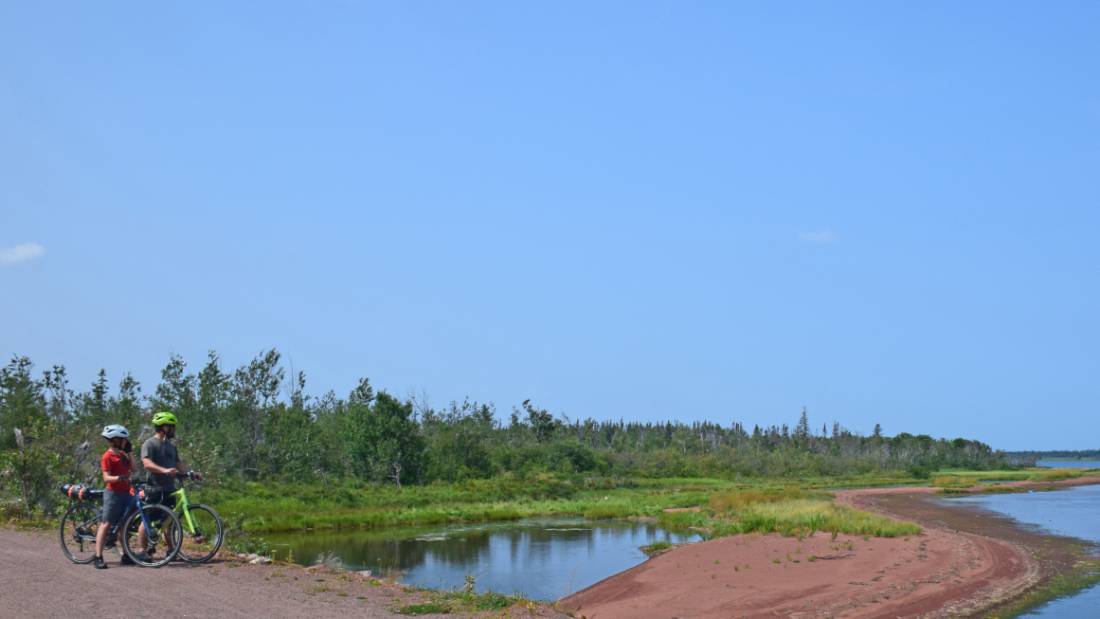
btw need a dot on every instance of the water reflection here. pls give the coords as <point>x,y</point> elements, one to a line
<point>541,559</point>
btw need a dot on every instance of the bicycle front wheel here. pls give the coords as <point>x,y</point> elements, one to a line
<point>202,534</point>
<point>78,529</point>
<point>165,534</point>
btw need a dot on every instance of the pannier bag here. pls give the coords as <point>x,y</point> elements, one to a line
<point>150,494</point>
<point>80,492</point>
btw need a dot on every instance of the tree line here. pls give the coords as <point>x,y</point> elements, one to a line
<point>257,422</point>
<point>1029,458</point>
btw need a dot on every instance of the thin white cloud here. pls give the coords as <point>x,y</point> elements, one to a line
<point>824,235</point>
<point>20,253</point>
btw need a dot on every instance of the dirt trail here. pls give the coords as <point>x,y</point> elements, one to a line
<point>42,583</point>
<point>965,562</point>
<point>37,581</point>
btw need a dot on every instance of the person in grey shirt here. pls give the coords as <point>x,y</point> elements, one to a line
<point>162,462</point>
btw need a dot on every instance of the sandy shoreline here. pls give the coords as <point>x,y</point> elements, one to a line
<point>964,563</point>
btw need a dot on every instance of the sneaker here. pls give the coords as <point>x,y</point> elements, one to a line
<point>126,560</point>
<point>99,564</point>
<point>144,557</point>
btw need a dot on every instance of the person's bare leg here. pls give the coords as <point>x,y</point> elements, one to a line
<point>101,538</point>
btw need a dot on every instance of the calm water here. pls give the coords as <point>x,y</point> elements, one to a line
<point>542,559</point>
<point>1074,512</point>
<point>1069,464</point>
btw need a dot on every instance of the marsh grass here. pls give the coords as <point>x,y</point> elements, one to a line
<point>656,548</point>
<point>955,480</point>
<point>1057,475</point>
<point>799,513</point>
<point>255,508</point>
<point>742,499</point>
<point>273,507</point>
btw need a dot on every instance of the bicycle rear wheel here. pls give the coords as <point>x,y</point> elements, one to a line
<point>78,529</point>
<point>165,532</point>
<point>201,543</point>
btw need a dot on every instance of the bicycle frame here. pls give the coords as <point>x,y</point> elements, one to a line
<point>183,506</point>
<point>137,501</point>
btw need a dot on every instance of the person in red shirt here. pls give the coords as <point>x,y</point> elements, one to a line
<point>116,467</point>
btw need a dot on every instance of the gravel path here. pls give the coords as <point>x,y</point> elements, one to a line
<point>37,581</point>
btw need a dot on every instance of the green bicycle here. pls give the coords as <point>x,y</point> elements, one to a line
<point>203,531</point>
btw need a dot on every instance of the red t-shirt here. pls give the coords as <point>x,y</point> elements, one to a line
<point>116,464</point>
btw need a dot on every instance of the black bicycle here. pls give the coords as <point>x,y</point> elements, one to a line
<point>81,522</point>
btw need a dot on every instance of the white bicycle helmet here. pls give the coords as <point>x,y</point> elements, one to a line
<point>115,431</point>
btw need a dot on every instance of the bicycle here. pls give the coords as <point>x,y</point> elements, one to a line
<point>81,521</point>
<point>203,531</point>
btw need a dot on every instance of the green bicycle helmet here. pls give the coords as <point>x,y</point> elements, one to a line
<point>164,418</point>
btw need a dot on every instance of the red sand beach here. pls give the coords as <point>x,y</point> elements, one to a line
<point>963,563</point>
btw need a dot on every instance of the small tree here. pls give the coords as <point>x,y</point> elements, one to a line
<point>542,422</point>
<point>399,449</point>
<point>802,430</point>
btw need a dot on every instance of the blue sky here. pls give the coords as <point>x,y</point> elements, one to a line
<point>885,212</point>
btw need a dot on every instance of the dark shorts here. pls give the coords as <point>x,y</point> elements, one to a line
<point>114,506</point>
<point>164,498</point>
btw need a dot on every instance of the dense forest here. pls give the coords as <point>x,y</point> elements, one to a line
<point>255,422</point>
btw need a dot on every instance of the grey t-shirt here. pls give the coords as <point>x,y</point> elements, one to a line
<point>162,453</point>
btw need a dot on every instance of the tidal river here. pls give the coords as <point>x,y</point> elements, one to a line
<point>1069,464</point>
<point>540,559</point>
<point>1074,512</point>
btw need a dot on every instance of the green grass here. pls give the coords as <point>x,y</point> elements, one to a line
<point>254,510</point>
<point>656,548</point>
<point>425,608</point>
<point>957,479</point>
<point>800,516</point>
<point>273,507</point>
<point>795,512</point>
<point>448,602</point>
